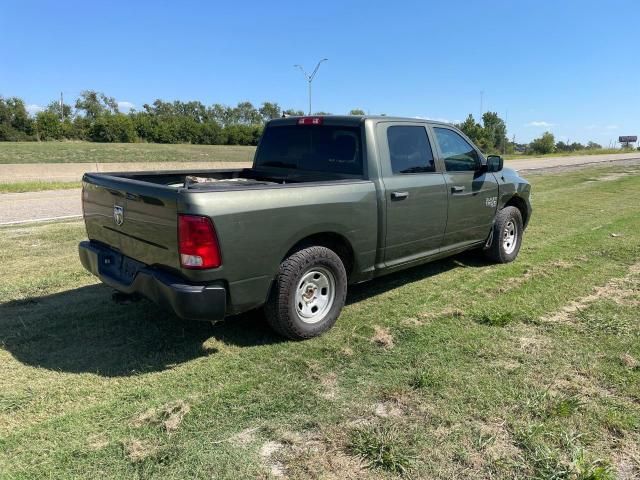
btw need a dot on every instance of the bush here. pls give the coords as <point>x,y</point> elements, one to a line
<point>113,128</point>
<point>544,144</point>
<point>48,126</point>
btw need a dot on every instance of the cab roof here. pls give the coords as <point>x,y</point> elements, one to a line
<point>351,120</point>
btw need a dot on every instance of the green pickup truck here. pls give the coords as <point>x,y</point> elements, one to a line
<point>330,201</point>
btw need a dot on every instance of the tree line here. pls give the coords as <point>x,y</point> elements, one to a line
<point>96,117</point>
<point>491,137</point>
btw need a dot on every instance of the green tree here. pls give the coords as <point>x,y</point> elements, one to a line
<point>113,128</point>
<point>94,104</point>
<point>64,112</point>
<point>290,112</point>
<point>356,111</point>
<point>593,146</point>
<point>471,129</point>
<point>543,144</point>
<point>494,132</point>
<point>247,114</point>
<point>269,111</point>
<point>48,125</point>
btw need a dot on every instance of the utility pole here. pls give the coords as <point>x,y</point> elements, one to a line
<point>310,78</point>
<point>481,100</point>
<point>61,108</point>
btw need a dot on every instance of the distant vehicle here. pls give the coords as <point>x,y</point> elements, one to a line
<point>329,201</point>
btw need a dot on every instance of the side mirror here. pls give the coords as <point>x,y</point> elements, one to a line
<point>494,163</point>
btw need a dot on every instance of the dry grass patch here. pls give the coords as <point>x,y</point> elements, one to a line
<point>268,453</point>
<point>382,337</point>
<point>169,416</point>
<point>139,450</point>
<point>620,290</point>
<point>629,361</point>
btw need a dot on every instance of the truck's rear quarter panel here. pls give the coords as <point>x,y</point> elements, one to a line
<point>256,229</point>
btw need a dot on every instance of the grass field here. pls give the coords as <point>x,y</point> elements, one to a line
<point>19,187</point>
<point>457,369</point>
<point>79,152</point>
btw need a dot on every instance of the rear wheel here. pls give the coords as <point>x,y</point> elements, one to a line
<point>507,236</point>
<point>308,293</point>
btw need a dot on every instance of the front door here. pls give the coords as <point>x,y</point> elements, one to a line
<point>416,197</point>
<point>472,192</point>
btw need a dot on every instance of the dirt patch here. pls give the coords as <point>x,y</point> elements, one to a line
<point>382,337</point>
<point>169,416</point>
<point>629,361</point>
<point>314,455</point>
<point>387,409</point>
<point>138,450</point>
<point>626,461</point>
<point>497,442</point>
<point>267,452</point>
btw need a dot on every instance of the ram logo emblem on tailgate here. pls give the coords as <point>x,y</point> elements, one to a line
<point>118,214</point>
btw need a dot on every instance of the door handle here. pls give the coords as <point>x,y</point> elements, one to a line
<point>457,189</point>
<point>399,195</point>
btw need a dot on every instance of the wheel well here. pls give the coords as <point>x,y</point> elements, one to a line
<point>520,204</point>
<point>332,241</point>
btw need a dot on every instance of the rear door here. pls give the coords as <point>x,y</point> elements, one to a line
<point>136,218</point>
<point>415,193</point>
<point>472,192</point>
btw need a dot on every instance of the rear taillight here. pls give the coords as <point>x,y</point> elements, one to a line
<point>310,121</point>
<point>198,243</point>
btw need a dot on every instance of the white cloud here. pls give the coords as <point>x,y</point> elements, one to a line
<point>539,123</point>
<point>611,127</point>
<point>125,106</point>
<point>33,109</point>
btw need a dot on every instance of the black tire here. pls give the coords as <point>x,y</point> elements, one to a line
<point>297,271</point>
<point>505,219</point>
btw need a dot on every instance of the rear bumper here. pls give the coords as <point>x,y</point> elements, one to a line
<point>188,301</point>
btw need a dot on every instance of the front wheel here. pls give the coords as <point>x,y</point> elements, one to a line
<point>308,293</point>
<point>507,236</point>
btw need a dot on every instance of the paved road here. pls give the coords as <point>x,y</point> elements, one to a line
<point>39,206</point>
<point>18,208</point>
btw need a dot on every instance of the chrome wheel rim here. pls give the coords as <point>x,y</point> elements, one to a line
<point>315,294</point>
<point>509,237</point>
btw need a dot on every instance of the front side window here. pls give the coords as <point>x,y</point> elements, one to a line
<point>458,154</point>
<point>410,150</point>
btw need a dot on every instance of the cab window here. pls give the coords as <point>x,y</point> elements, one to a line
<point>409,149</point>
<point>457,153</point>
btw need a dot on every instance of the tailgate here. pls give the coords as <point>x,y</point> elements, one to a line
<point>137,218</point>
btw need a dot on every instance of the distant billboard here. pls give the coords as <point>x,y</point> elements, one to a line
<point>628,139</point>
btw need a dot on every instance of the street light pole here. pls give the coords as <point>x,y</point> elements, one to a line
<point>310,78</point>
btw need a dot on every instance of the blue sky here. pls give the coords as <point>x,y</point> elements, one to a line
<point>572,67</point>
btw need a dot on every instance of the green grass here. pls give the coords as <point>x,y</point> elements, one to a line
<point>35,186</point>
<point>575,153</point>
<point>80,152</point>
<point>525,370</point>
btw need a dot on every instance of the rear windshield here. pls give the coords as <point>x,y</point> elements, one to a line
<point>311,148</point>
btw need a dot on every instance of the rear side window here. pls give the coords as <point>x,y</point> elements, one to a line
<point>410,150</point>
<point>312,148</point>
<point>458,154</point>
